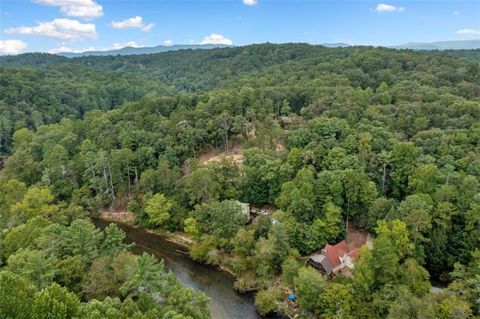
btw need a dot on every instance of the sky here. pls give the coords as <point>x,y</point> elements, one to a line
<point>80,25</point>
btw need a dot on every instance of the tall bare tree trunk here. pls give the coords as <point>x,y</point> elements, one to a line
<point>136,176</point>
<point>105,177</point>
<point>128,173</point>
<point>226,139</point>
<point>384,178</point>
<point>112,190</point>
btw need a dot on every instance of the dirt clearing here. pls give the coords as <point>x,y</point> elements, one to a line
<point>234,153</point>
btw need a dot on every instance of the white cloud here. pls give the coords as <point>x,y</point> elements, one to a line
<point>67,49</point>
<point>134,22</point>
<point>456,13</point>
<point>382,7</point>
<point>250,2</point>
<point>168,42</point>
<point>148,27</point>
<point>216,39</point>
<point>468,31</point>
<point>65,29</point>
<point>12,46</point>
<point>87,9</point>
<point>131,44</point>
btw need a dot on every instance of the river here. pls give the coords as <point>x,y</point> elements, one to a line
<point>226,302</point>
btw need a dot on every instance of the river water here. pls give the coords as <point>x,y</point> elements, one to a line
<point>226,302</point>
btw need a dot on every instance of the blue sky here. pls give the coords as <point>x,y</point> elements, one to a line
<point>75,25</point>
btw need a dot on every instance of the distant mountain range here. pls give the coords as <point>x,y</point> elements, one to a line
<point>425,46</point>
<point>144,50</point>
<point>336,45</point>
<point>439,45</point>
<point>164,48</point>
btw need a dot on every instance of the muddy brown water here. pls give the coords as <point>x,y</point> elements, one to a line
<point>226,302</point>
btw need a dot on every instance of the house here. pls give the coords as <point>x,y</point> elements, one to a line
<point>333,259</point>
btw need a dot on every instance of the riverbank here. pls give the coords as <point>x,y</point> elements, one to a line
<point>178,238</point>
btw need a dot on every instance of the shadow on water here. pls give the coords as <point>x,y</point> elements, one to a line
<point>226,302</point>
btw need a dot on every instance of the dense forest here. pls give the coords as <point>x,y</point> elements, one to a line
<point>472,55</point>
<point>387,140</point>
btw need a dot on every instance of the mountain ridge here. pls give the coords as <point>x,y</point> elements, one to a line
<point>440,45</point>
<point>421,46</point>
<point>143,50</point>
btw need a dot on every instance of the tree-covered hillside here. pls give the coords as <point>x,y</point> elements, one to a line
<point>194,70</point>
<point>59,87</point>
<point>31,97</point>
<point>388,140</point>
<point>472,55</point>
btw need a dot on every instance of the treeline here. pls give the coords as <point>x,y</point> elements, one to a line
<point>389,140</point>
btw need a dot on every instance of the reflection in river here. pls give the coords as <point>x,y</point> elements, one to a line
<point>226,303</point>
